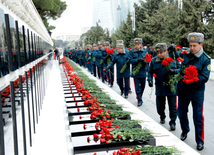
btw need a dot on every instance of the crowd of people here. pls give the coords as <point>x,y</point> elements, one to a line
<point>177,72</point>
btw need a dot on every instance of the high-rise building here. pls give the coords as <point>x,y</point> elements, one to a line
<point>102,14</point>
<point>110,13</point>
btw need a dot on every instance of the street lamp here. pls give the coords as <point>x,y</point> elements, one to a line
<point>118,8</point>
<point>118,15</point>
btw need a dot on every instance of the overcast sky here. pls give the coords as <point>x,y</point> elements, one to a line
<point>77,15</point>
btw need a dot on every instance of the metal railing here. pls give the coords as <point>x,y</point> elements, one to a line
<point>28,90</point>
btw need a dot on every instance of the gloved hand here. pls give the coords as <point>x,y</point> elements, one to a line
<point>171,71</point>
<point>172,48</point>
<point>150,83</point>
<point>140,60</point>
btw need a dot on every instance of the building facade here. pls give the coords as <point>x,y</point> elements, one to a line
<point>110,13</point>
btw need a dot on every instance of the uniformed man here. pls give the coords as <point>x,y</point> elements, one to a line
<point>126,50</point>
<point>109,73</point>
<point>98,55</point>
<point>86,57</point>
<point>79,56</point>
<point>120,58</point>
<point>194,92</point>
<point>136,56</point>
<point>161,81</point>
<point>74,58</point>
<point>93,59</point>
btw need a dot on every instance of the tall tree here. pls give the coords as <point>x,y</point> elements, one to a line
<point>49,9</point>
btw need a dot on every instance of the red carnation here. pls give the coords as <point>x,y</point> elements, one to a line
<point>180,59</point>
<point>14,53</point>
<point>154,75</point>
<point>184,52</point>
<point>102,140</point>
<point>95,136</point>
<point>117,126</point>
<point>88,138</point>
<point>167,61</point>
<point>178,48</point>
<point>119,136</point>
<point>109,51</point>
<point>148,58</point>
<point>107,116</point>
<point>78,109</point>
<point>130,48</point>
<point>191,74</point>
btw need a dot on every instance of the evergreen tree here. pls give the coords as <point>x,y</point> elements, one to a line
<point>49,9</point>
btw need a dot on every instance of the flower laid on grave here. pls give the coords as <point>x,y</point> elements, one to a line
<point>140,150</point>
<point>111,130</point>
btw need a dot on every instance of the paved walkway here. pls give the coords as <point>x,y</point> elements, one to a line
<point>53,136</point>
<point>149,108</point>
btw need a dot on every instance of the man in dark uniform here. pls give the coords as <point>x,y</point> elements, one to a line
<point>120,59</point>
<point>194,92</point>
<point>97,58</point>
<point>74,58</point>
<point>162,91</point>
<point>109,73</point>
<point>93,59</point>
<point>136,56</point>
<point>101,55</point>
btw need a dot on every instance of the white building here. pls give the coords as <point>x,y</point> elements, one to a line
<point>67,36</point>
<point>110,13</point>
<point>102,14</point>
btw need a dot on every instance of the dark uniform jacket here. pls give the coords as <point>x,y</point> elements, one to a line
<point>134,55</point>
<point>101,55</point>
<point>156,67</point>
<point>120,59</point>
<point>195,91</point>
<point>93,56</point>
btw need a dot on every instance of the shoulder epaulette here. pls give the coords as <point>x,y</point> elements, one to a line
<point>207,55</point>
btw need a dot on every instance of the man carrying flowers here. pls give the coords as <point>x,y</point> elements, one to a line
<point>100,56</point>
<point>93,59</point>
<point>136,57</point>
<point>108,59</point>
<point>162,67</point>
<point>121,58</point>
<point>191,89</point>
